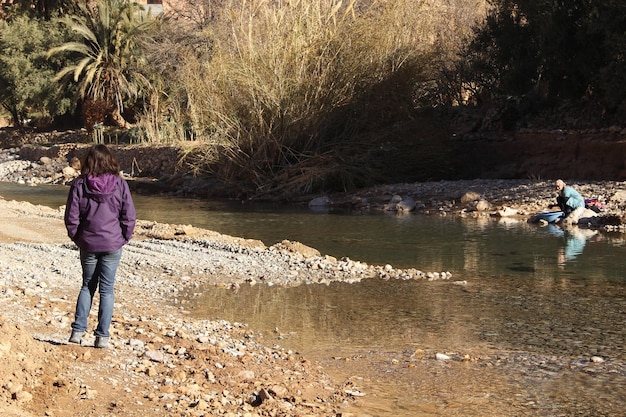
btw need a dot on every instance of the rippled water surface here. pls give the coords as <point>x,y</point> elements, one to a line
<point>530,308</point>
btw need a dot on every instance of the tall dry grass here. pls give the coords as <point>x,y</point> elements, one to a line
<point>292,86</point>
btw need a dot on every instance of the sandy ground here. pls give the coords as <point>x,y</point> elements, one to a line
<point>42,224</point>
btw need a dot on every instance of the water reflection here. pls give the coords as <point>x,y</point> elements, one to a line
<point>575,241</point>
<point>374,323</point>
<point>542,315</point>
<point>374,314</point>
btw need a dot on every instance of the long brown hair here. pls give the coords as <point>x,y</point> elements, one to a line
<point>99,161</point>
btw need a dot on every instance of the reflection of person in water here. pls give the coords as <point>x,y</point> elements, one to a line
<point>575,241</point>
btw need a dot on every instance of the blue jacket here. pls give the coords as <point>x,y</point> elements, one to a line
<point>100,215</point>
<point>572,197</point>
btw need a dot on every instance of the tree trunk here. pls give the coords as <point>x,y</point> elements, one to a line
<point>118,119</point>
<point>15,115</point>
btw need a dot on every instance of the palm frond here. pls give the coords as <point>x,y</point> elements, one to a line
<point>80,27</point>
<point>64,72</point>
<point>108,52</point>
<point>78,47</point>
<point>80,67</point>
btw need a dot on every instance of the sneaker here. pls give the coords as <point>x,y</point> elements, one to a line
<point>101,342</point>
<point>76,337</point>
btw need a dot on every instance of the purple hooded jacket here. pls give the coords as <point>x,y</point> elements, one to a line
<point>100,214</point>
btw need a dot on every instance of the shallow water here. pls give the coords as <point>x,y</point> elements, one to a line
<point>430,243</point>
<point>537,305</point>
<point>529,330</point>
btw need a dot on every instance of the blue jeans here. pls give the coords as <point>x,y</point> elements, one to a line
<point>98,271</point>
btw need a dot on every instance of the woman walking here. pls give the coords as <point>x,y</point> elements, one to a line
<point>100,218</point>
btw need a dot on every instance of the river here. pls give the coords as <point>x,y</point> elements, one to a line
<point>526,310</point>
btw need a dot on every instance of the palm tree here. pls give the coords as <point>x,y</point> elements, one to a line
<point>109,60</point>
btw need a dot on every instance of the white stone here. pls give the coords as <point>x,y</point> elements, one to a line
<point>407,204</point>
<point>246,374</point>
<point>483,205</point>
<point>154,355</point>
<point>69,172</point>
<point>506,211</point>
<point>320,202</point>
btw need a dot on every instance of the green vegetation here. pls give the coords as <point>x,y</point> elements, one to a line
<point>547,51</point>
<point>26,86</point>
<point>108,65</point>
<point>290,97</point>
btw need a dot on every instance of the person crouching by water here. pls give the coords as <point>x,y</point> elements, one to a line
<point>100,218</point>
<point>571,203</point>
